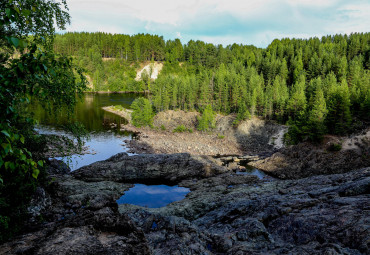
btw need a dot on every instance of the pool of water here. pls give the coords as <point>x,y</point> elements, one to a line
<point>261,175</point>
<point>153,196</point>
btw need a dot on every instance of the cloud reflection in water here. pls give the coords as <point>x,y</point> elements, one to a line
<point>153,196</point>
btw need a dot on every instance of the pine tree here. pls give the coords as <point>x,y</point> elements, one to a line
<point>316,116</point>
<point>339,116</point>
<point>207,120</point>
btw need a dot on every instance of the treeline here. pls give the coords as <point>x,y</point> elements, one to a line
<point>315,85</point>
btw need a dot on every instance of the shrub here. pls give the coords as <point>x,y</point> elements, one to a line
<point>118,107</point>
<point>142,114</point>
<point>163,127</point>
<point>219,136</point>
<point>182,128</point>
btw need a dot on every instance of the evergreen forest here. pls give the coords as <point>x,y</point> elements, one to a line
<point>317,86</point>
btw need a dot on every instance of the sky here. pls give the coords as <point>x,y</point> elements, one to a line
<point>256,22</point>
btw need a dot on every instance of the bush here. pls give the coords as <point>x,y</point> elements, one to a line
<point>182,128</point>
<point>219,136</point>
<point>118,108</point>
<point>207,121</point>
<point>163,128</point>
<point>142,114</point>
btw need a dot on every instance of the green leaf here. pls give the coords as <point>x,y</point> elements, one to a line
<point>26,13</point>
<point>35,173</point>
<point>45,67</point>
<point>23,43</point>
<point>20,65</point>
<point>8,12</point>
<point>22,139</point>
<point>40,163</point>
<point>14,41</point>
<point>16,9</point>
<point>5,133</point>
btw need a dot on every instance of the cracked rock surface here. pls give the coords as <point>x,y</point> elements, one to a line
<point>224,213</point>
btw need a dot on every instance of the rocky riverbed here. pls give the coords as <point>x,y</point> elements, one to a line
<point>224,213</point>
<point>253,136</point>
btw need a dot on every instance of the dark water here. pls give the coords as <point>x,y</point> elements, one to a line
<point>89,112</point>
<point>106,139</point>
<point>153,196</point>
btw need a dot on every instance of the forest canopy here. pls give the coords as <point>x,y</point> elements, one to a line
<point>315,85</point>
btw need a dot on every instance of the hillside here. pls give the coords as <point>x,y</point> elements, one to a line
<point>316,86</point>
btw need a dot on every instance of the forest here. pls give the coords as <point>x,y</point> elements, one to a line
<point>317,86</point>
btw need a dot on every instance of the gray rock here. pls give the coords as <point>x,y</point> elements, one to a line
<point>148,168</point>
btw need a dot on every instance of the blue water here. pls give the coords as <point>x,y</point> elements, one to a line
<point>153,196</point>
<point>101,146</point>
<point>106,139</point>
<point>261,175</point>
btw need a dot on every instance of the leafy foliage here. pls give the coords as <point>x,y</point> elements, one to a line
<point>28,68</point>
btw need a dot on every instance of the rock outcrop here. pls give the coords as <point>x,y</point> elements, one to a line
<point>305,160</point>
<point>225,213</point>
<point>149,168</point>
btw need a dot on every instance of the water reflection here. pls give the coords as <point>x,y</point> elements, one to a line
<point>153,196</point>
<point>261,175</point>
<point>101,146</point>
<point>88,111</point>
<point>106,139</point>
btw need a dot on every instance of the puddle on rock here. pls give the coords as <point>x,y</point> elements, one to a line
<point>153,196</point>
<point>261,175</point>
<point>250,170</point>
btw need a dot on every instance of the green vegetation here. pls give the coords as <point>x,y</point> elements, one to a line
<point>317,86</point>
<point>118,108</point>
<point>142,114</point>
<point>207,120</point>
<point>219,136</point>
<point>181,129</point>
<point>28,67</point>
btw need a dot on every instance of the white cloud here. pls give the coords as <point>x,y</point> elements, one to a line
<point>219,21</point>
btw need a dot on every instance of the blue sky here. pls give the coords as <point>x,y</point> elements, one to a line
<point>256,22</point>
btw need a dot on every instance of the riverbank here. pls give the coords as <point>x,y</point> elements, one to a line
<point>122,112</point>
<point>254,136</point>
